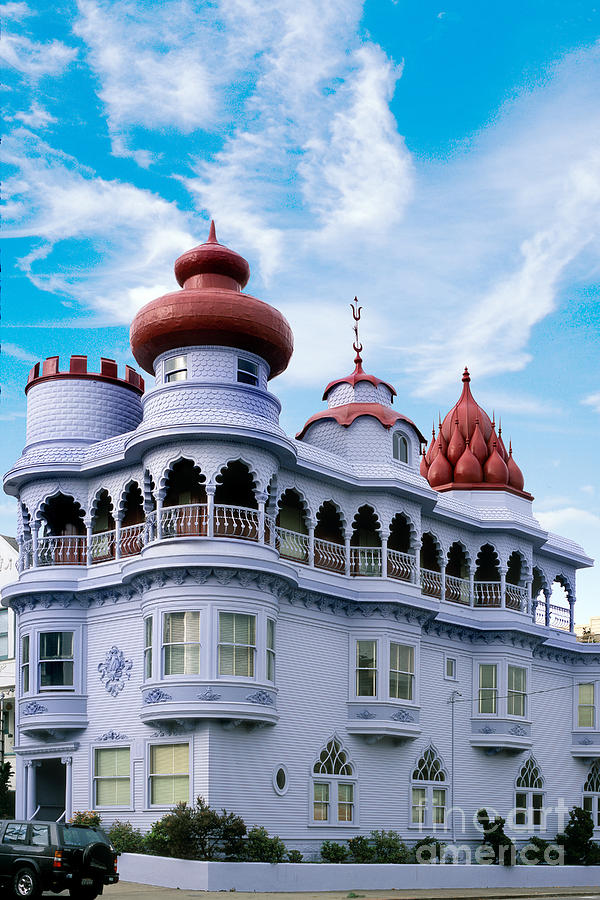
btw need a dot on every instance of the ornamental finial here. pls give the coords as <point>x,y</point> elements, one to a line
<point>356,346</point>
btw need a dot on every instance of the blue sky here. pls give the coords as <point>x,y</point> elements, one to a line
<point>441,161</point>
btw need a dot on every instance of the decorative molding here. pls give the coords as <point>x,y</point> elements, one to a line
<point>487,730</point>
<point>209,695</point>
<point>586,742</point>
<point>365,714</point>
<point>115,671</point>
<point>113,736</point>
<point>518,730</point>
<point>402,715</point>
<point>261,697</point>
<point>33,708</point>
<point>157,695</point>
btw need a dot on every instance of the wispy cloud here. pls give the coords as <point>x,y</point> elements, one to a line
<point>35,118</point>
<point>17,352</point>
<point>15,11</point>
<point>31,58</point>
<point>593,400</point>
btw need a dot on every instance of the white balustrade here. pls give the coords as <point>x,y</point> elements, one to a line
<point>516,597</point>
<point>102,546</point>
<point>431,583</point>
<point>458,590</point>
<point>400,565</point>
<point>365,561</point>
<point>67,550</point>
<point>132,539</point>
<point>487,593</point>
<point>236,522</point>
<point>329,555</point>
<point>188,520</point>
<point>292,544</point>
<point>560,617</point>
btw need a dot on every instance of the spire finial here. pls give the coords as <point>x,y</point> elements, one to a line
<point>212,234</point>
<point>466,376</point>
<point>356,346</point>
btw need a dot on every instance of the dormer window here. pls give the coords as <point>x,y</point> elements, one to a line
<point>400,447</point>
<point>176,369</point>
<point>247,372</point>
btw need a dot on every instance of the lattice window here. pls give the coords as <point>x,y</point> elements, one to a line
<point>592,784</point>
<point>429,767</point>
<point>530,775</point>
<point>333,760</point>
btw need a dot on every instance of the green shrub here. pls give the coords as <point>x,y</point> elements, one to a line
<point>494,837</point>
<point>85,817</point>
<point>332,852</point>
<point>125,838</point>
<point>536,848</point>
<point>197,832</point>
<point>7,797</point>
<point>294,856</point>
<point>428,849</point>
<point>389,847</point>
<point>156,841</point>
<point>262,848</point>
<point>361,849</point>
<point>577,838</point>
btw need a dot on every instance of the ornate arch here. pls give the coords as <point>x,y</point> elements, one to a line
<point>333,759</point>
<point>429,767</point>
<point>592,782</point>
<point>163,481</point>
<point>530,775</point>
<point>338,509</point>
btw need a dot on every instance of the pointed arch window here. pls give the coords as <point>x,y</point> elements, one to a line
<point>400,447</point>
<point>591,793</point>
<point>333,786</point>
<point>428,792</point>
<point>529,795</point>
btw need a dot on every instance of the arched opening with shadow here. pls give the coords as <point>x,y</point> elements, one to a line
<point>538,595</point>
<point>292,530</point>
<point>458,588</point>
<point>560,604</point>
<point>63,540</point>
<point>184,506</point>
<point>329,539</point>
<point>365,543</point>
<point>430,560</point>
<point>133,520</point>
<point>236,509</point>
<point>516,595</point>
<point>487,577</point>
<point>103,528</point>
<point>400,556</point>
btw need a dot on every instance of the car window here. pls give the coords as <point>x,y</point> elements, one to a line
<point>15,833</point>
<point>40,835</point>
<point>81,837</point>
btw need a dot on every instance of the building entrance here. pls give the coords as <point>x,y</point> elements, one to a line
<point>50,790</point>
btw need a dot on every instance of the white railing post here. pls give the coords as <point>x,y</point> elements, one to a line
<point>118,537</point>
<point>418,545</point>
<point>88,541</point>
<point>159,521</point>
<point>261,499</point>
<point>34,544</point>
<point>443,577</point>
<point>347,556</point>
<point>527,602</point>
<point>572,615</point>
<point>210,510</point>
<point>384,556</point>
<point>471,587</point>
<point>547,595</point>
<point>503,588</point>
<point>311,545</point>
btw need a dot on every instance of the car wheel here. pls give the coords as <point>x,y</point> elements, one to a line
<point>26,883</point>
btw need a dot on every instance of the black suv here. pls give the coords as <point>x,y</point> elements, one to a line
<point>48,856</point>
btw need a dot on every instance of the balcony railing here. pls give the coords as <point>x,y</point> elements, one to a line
<point>243,523</point>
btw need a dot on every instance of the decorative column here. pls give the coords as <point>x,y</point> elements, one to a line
<point>547,595</point>
<point>571,614</point>
<point>88,541</point>
<point>311,544</point>
<point>118,523</point>
<point>529,605</point>
<point>503,588</point>
<point>30,766</point>
<point>418,546</point>
<point>210,509</point>
<point>159,523</point>
<point>384,555</point>
<point>471,587</point>
<point>34,543</point>
<point>67,761</point>
<point>20,560</point>
<point>261,499</point>
<point>347,555</point>
<point>443,577</point>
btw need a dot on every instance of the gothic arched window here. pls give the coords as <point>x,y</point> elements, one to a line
<point>333,786</point>
<point>428,791</point>
<point>591,793</point>
<point>529,795</point>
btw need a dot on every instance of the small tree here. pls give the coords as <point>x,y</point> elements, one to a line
<point>494,837</point>
<point>125,838</point>
<point>332,852</point>
<point>361,849</point>
<point>262,848</point>
<point>577,838</point>
<point>389,847</point>
<point>6,803</point>
<point>197,832</point>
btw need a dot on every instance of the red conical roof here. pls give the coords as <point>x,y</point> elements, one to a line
<point>211,309</point>
<point>468,453</point>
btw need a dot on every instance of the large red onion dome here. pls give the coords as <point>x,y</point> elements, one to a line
<point>211,309</point>
<point>468,454</point>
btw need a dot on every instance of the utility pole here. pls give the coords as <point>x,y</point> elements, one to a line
<point>2,729</point>
<point>452,700</point>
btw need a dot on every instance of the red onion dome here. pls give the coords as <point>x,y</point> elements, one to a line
<point>468,454</point>
<point>211,309</point>
<point>358,375</point>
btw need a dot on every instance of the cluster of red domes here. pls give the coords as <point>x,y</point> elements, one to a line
<point>469,453</point>
<point>211,309</point>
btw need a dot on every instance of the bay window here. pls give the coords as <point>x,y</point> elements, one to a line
<point>270,650</point>
<point>181,643</point>
<point>148,647</point>
<point>25,664</point>
<point>488,689</point>
<point>517,691</point>
<point>586,706</point>
<point>402,671</point>
<point>237,644</point>
<point>366,668</point>
<point>56,660</point>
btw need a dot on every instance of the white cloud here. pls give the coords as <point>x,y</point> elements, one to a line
<point>593,400</point>
<point>17,352</point>
<point>34,59</point>
<point>36,117</point>
<point>14,11</point>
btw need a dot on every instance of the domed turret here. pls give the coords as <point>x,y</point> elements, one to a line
<point>468,454</point>
<point>211,310</point>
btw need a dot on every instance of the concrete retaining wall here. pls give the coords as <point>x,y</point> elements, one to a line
<point>221,876</point>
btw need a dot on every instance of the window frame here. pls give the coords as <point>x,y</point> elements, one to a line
<point>333,783</point>
<point>502,664</point>
<point>529,810</point>
<point>163,645</point>
<point>168,741</point>
<point>397,438</point>
<point>255,657</point>
<point>454,659</point>
<point>270,649</point>
<point>25,665</point>
<point>110,745</point>
<point>62,688</point>
<point>4,616</point>
<point>170,375</point>
<point>577,705</point>
<point>148,647</point>
<point>412,675</point>
<point>384,641</point>
<point>512,693</point>
<point>251,375</point>
<point>428,788</point>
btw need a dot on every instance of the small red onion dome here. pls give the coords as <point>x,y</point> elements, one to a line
<point>358,375</point>
<point>348,412</point>
<point>211,309</point>
<point>468,454</point>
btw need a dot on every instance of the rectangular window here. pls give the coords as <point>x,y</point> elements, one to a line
<point>345,802</point>
<point>419,802</point>
<point>439,807</point>
<point>529,808</point>
<point>3,634</point>
<point>112,786</point>
<point>181,643</point>
<point>56,659</point>
<point>591,803</point>
<point>175,369</point>
<point>237,644</point>
<point>247,372</point>
<point>517,691</point>
<point>270,650</point>
<point>537,805</point>
<point>366,668</point>
<point>40,836</point>
<point>488,689</point>
<point>15,833</point>
<point>521,808</point>
<point>148,648</point>
<point>25,663</point>
<point>169,774</point>
<point>321,802</point>
<point>586,713</point>
<point>450,668</point>
<point>402,669</point>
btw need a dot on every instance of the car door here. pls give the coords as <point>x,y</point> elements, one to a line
<point>12,845</point>
<point>39,847</point>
